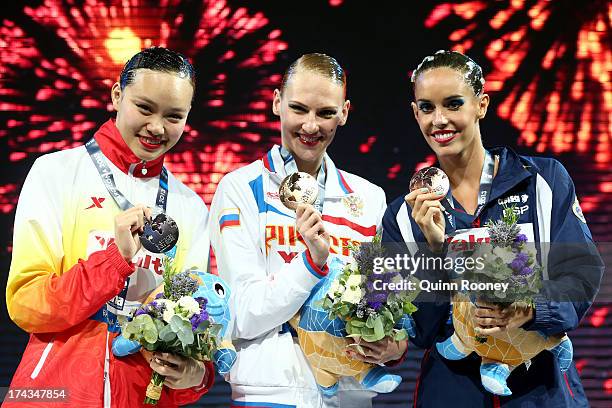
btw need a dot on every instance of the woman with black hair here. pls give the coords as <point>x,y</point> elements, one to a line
<point>78,262</point>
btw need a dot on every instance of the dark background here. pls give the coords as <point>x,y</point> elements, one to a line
<point>47,53</point>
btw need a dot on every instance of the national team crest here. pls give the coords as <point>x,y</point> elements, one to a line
<point>354,203</point>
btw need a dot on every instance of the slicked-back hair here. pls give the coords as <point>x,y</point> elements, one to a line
<point>319,63</point>
<point>470,70</point>
<point>157,59</point>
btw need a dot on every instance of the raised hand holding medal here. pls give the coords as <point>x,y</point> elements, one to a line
<point>428,187</point>
<point>157,232</point>
<point>298,188</point>
<point>160,233</point>
<point>432,178</point>
<point>298,192</point>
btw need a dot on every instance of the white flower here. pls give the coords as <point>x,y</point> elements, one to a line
<point>169,310</point>
<point>190,305</point>
<point>353,292</point>
<point>505,254</point>
<point>335,287</point>
<point>353,266</point>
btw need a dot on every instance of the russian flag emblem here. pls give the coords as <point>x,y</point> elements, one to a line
<point>230,217</point>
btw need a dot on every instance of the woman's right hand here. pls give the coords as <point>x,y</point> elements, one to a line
<point>128,224</point>
<point>427,212</point>
<point>310,226</point>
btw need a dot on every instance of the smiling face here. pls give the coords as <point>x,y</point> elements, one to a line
<point>311,107</point>
<point>448,111</point>
<point>152,111</point>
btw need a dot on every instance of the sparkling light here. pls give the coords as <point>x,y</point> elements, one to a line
<point>121,44</point>
<point>564,106</point>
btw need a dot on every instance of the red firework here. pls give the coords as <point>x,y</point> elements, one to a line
<point>571,114</point>
<point>58,61</point>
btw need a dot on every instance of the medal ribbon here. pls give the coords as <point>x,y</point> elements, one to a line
<point>99,160</point>
<point>291,167</point>
<point>486,181</point>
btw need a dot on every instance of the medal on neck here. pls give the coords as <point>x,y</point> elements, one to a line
<point>432,178</point>
<point>436,181</point>
<point>298,188</point>
<point>160,233</point>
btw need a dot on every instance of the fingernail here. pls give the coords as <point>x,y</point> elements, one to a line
<point>424,190</point>
<point>440,193</point>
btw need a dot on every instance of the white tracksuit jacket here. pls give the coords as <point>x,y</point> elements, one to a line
<point>263,258</point>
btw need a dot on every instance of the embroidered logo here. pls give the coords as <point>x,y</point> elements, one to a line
<point>578,211</point>
<point>103,241</point>
<point>97,202</point>
<point>513,199</point>
<point>354,204</point>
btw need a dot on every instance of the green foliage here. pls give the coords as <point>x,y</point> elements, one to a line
<point>346,299</point>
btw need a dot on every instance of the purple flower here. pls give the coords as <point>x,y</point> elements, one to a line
<point>376,300</point>
<point>159,295</point>
<point>519,262</point>
<point>155,309</point>
<point>141,311</point>
<point>198,318</point>
<point>526,271</point>
<point>520,238</point>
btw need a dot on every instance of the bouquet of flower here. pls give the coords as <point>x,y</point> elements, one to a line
<point>173,322</point>
<point>508,260</point>
<point>361,298</point>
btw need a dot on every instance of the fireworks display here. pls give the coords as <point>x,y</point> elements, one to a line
<point>63,55</point>
<point>553,85</point>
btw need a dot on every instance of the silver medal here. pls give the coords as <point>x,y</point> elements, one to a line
<point>160,233</point>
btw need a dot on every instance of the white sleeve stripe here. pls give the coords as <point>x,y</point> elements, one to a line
<point>403,221</point>
<point>544,199</point>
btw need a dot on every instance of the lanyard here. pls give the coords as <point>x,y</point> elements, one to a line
<point>291,167</point>
<point>106,175</point>
<point>486,181</point>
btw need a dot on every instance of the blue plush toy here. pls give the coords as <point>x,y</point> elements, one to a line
<point>218,293</point>
<point>323,342</point>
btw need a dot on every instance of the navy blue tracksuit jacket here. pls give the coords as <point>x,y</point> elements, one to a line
<point>542,192</point>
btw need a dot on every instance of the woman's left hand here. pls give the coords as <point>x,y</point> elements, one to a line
<point>180,372</point>
<point>379,352</point>
<point>492,319</point>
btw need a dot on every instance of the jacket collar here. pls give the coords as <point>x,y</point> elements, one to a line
<point>335,183</point>
<point>117,151</point>
<point>512,171</point>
